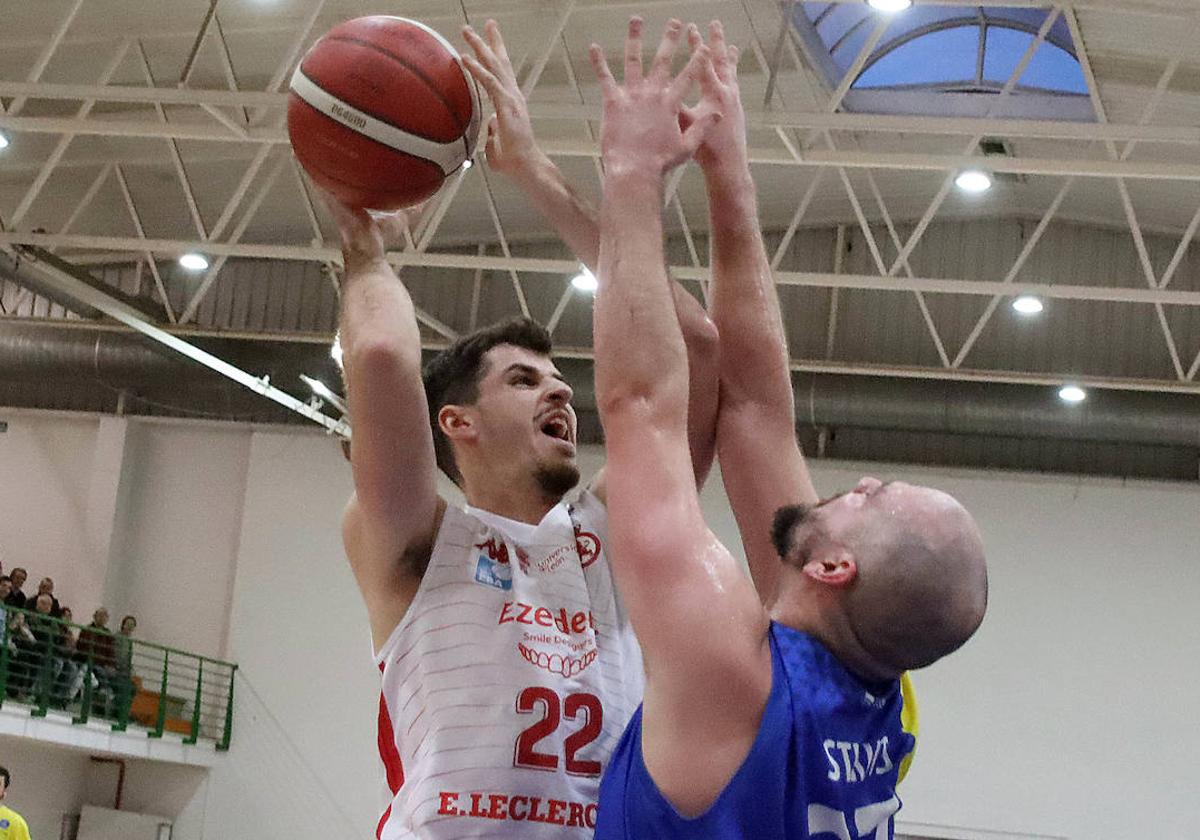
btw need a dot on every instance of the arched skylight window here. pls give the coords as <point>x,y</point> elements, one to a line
<point>947,49</point>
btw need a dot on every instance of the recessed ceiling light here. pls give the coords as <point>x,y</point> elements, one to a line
<point>585,281</point>
<point>193,262</point>
<point>1028,305</point>
<point>1072,394</point>
<point>974,181</point>
<point>468,163</point>
<point>3,140</point>
<point>890,5</point>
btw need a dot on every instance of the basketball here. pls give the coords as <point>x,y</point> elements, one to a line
<point>382,111</point>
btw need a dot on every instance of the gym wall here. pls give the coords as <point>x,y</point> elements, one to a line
<point>1067,716</point>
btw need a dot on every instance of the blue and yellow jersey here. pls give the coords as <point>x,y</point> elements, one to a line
<point>828,756</point>
<point>12,825</point>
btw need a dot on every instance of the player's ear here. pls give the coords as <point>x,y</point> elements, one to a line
<point>457,423</point>
<point>831,565</point>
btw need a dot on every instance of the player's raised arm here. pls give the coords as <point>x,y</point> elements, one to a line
<point>701,627</point>
<point>512,150</point>
<point>390,522</point>
<point>761,463</point>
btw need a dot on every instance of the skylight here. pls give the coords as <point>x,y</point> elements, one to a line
<point>946,49</point>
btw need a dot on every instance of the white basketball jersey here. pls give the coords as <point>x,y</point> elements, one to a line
<point>509,681</point>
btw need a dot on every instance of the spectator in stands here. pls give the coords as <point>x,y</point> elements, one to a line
<point>16,598</point>
<point>125,687</point>
<point>97,643</point>
<point>12,824</point>
<point>46,587</point>
<point>35,638</point>
<point>5,590</point>
<point>70,677</point>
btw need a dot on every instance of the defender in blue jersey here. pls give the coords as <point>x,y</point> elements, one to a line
<point>773,709</point>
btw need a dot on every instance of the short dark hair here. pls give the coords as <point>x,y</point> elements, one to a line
<point>18,569</point>
<point>5,578</point>
<point>453,376</point>
<point>786,519</point>
<point>7,777</point>
<point>128,618</point>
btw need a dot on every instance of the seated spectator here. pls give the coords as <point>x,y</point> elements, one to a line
<point>96,642</point>
<point>46,658</point>
<point>70,677</point>
<point>5,590</point>
<point>16,598</point>
<point>46,587</point>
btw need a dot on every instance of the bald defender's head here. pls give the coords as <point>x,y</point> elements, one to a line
<point>896,571</point>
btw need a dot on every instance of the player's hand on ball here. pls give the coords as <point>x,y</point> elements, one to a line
<point>641,131</point>
<point>511,147</point>
<point>366,236</point>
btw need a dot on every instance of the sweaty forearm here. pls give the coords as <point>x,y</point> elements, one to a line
<point>639,345</point>
<point>744,301</point>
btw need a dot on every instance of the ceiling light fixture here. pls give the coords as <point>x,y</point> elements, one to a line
<point>194,262</point>
<point>3,140</point>
<point>974,181</point>
<point>1072,394</point>
<point>585,281</point>
<point>468,163</point>
<point>890,5</point>
<point>1028,305</point>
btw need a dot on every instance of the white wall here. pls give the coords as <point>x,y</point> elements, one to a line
<point>176,544</point>
<point>45,465</point>
<point>1069,714</point>
<point>47,782</point>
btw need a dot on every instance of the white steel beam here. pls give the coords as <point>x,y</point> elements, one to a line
<point>39,66</point>
<point>1126,201</point>
<point>539,65</point>
<point>1063,130</point>
<point>518,289</point>
<point>1145,170</point>
<point>60,149</point>
<point>535,265</point>
<point>1013,272</point>
<point>133,319</point>
<point>94,188</point>
<point>141,232</point>
<point>173,150</point>
<point>235,236</point>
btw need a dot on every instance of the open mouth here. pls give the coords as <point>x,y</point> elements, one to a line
<point>558,428</point>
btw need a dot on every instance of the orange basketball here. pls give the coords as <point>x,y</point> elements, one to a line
<point>382,111</point>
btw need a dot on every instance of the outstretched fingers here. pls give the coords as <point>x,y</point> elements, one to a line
<point>697,66</point>
<point>660,68</point>
<point>491,30</point>
<point>485,77</point>
<point>600,66</point>
<point>633,51</point>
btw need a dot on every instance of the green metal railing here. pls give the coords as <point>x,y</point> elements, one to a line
<point>141,685</point>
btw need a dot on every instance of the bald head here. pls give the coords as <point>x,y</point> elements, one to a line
<point>904,564</point>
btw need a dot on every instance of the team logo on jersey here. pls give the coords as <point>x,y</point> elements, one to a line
<point>559,642</point>
<point>493,567</point>
<point>491,573</point>
<point>588,546</point>
<point>4,823</point>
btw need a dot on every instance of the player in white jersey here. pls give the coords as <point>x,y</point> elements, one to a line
<point>509,667</point>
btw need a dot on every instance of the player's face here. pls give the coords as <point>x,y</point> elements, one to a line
<point>876,512</point>
<point>524,412</point>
